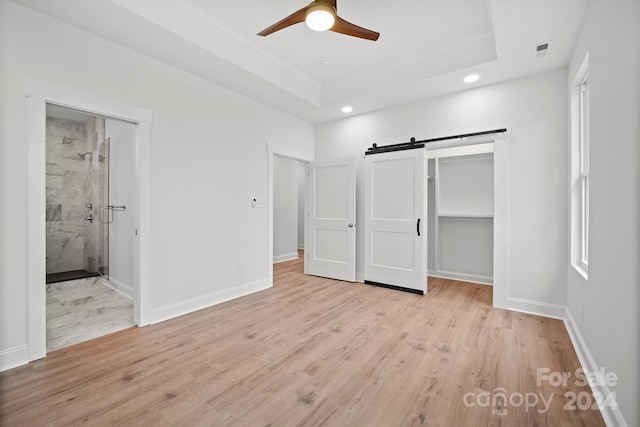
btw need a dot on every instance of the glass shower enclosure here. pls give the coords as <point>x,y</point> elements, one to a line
<point>106,208</point>
<point>105,213</point>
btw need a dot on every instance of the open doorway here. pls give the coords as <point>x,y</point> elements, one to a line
<point>472,205</point>
<point>460,213</point>
<point>288,208</point>
<point>274,154</point>
<point>89,232</point>
<point>39,95</point>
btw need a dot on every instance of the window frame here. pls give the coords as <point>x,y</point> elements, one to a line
<point>580,174</point>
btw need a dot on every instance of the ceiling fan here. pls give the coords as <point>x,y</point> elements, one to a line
<point>321,15</point>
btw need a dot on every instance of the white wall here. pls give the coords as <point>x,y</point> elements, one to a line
<point>208,161</point>
<point>121,186</point>
<point>536,110</point>
<point>611,321</point>
<point>285,209</point>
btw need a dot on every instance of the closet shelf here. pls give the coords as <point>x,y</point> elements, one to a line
<point>465,215</point>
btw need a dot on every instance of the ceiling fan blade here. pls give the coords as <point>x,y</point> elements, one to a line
<point>295,18</point>
<point>345,27</point>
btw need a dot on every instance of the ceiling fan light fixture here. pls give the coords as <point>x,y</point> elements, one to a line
<point>320,17</point>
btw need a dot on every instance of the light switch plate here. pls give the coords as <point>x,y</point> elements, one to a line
<point>258,202</point>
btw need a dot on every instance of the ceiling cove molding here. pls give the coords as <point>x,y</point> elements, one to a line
<point>197,13</point>
<point>195,25</point>
<point>438,60</point>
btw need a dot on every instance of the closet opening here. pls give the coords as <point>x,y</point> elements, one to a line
<point>460,213</point>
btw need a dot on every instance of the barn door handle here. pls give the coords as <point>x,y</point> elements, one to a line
<point>418,226</point>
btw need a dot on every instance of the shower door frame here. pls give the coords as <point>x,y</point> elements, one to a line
<point>103,204</point>
<point>38,94</point>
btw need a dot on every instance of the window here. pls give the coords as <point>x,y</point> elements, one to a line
<point>580,170</point>
<point>584,172</point>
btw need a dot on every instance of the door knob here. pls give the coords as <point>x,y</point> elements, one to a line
<point>351,225</point>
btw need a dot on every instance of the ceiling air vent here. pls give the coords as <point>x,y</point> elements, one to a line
<point>542,49</point>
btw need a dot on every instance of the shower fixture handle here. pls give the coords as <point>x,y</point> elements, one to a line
<point>108,221</point>
<point>111,208</point>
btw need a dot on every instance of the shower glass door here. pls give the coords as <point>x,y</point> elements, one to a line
<point>106,214</point>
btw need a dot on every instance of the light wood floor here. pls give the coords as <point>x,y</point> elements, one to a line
<point>310,351</point>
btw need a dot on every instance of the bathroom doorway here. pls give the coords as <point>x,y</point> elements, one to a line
<point>89,232</point>
<point>38,95</point>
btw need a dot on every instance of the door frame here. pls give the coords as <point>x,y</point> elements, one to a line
<point>290,153</point>
<point>501,197</point>
<point>37,95</point>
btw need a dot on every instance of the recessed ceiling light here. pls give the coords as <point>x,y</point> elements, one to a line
<point>347,109</point>
<point>471,78</point>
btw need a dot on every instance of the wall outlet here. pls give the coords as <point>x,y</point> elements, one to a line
<point>242,268</point>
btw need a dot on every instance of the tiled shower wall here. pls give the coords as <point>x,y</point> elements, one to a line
<point>72,240</point>
<point>96,191</point>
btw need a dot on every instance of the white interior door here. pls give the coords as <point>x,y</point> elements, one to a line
<point>331,251</point>
<point>395,222</point>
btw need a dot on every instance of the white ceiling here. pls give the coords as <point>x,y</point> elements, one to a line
<point>411,31</point>
<point>425,48</point>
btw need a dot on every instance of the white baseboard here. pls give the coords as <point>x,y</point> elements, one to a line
<point>359,277</point>
<point>612,416</point>
<point>14,357</point>
<point>285,257</point>
<point>538,308</point>
<point>170,311</point>
<point>462,277</point>
<point>301,246</point>
<point>119,287</point>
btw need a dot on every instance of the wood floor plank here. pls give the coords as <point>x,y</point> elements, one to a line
<point>310,352</point>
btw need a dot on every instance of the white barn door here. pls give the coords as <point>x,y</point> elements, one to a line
<point>331,250</point>
<point>395,220</point>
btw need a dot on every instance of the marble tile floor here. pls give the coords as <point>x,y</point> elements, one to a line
<point>83,309</point>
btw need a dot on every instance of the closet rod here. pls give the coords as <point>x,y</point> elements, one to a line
<point>412,144</point>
